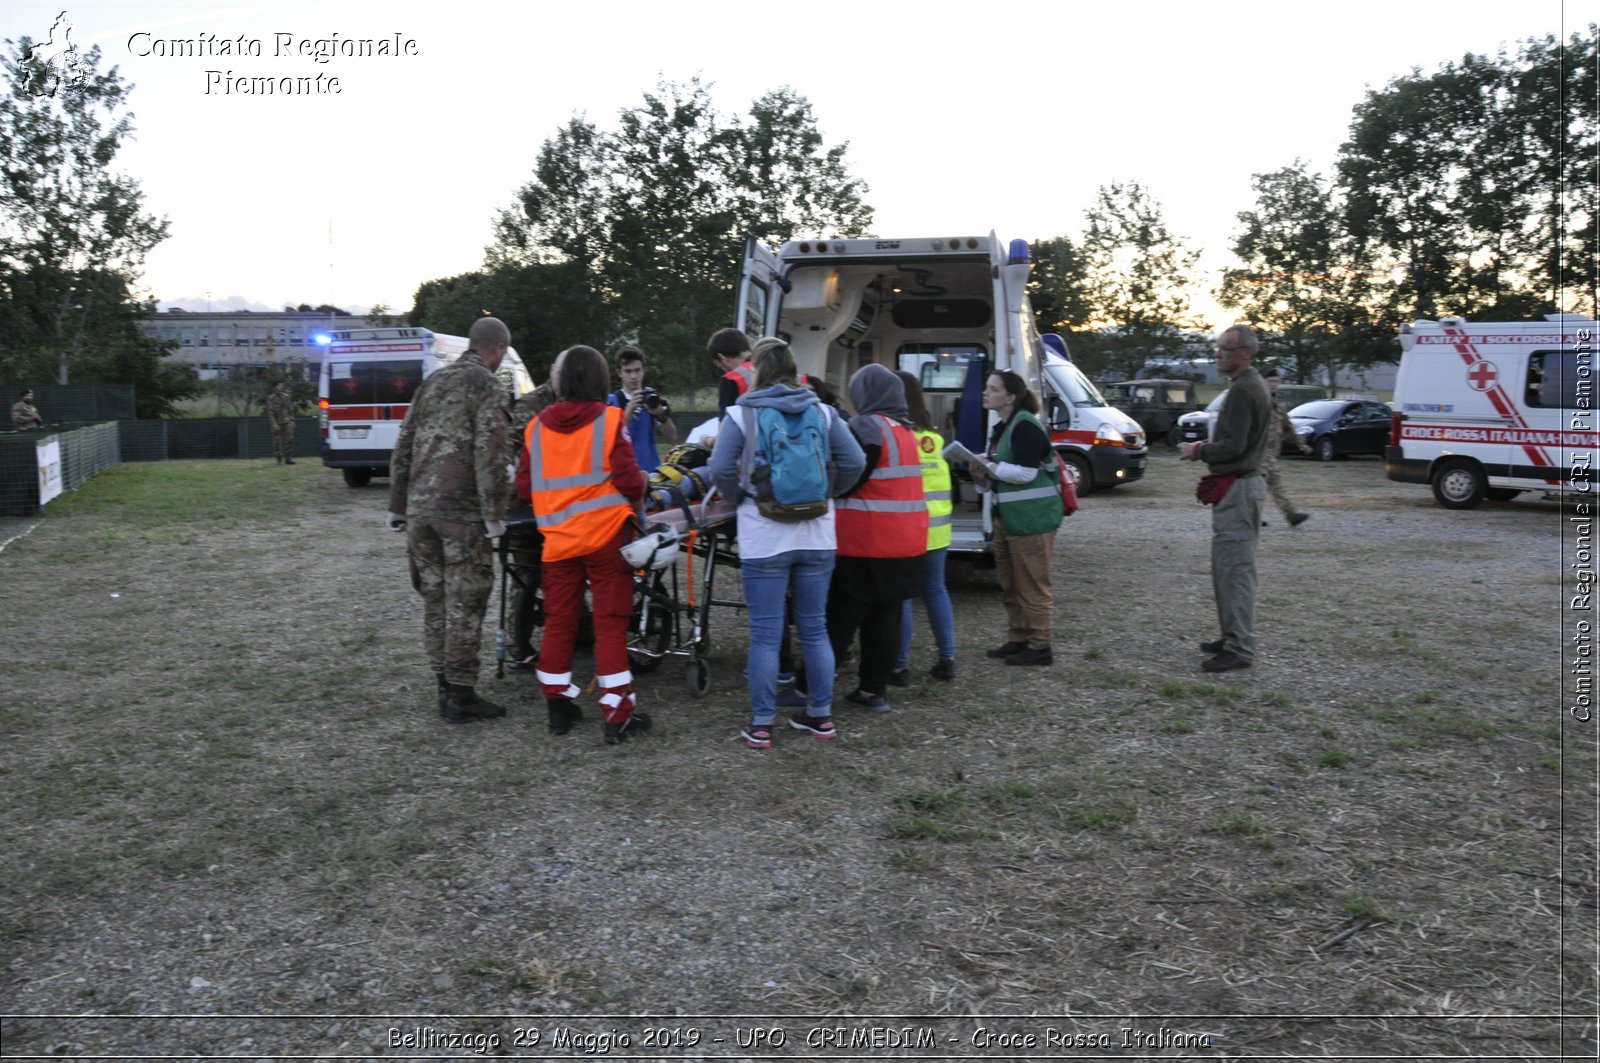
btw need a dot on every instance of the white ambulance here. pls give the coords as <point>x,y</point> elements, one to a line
<point>937,307</point>
<point>1489,410</point>
<point>365,386</point>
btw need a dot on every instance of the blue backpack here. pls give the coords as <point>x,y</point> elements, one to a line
<point>785,461</point>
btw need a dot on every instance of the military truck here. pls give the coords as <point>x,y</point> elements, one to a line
<point>1155,404</point>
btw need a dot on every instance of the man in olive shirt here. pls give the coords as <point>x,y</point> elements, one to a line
<point>1238,449</point>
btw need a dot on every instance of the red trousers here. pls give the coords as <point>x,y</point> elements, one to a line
<point>609,581</point>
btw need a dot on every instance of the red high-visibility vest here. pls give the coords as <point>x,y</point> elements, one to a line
<point>743,374</point>
<point>888,516</point>
<point>575,505</point>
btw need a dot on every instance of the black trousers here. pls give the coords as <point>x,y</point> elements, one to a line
<point>879,626</point>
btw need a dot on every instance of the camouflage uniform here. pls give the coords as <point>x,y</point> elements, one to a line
<point>1278,424</point>
<point>526,409</point>
<point>280,412</point>
<point>447,478</point>
<point>25,415</point>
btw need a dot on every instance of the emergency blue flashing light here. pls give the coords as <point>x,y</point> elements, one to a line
<point>1019,252</point>
<point>321,339</point>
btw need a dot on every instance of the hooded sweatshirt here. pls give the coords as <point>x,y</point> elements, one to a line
<point>875,390</point>
<point>568,417</point>
<point>760,536</point>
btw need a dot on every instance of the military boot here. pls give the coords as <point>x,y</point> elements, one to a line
<point>462,705</point>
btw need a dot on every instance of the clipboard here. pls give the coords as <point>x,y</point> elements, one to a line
<point>956,452</point>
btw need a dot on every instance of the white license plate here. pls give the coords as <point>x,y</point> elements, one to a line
<point>352,433</point>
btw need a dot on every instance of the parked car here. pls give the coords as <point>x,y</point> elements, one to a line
<point>1155,404</point>
<point>1333,428</point>
<point>1197,426</point>
<point>1200,425</point>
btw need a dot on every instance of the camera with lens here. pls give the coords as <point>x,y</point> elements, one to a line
<point>653,400</point>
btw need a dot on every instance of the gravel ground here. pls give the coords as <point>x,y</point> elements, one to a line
<point>1125,836</point>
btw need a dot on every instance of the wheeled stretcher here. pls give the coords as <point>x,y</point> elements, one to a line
<point>673,597</point>
<point>672,603</point>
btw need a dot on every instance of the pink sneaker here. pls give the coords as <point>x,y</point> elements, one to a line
<point>820,726</point>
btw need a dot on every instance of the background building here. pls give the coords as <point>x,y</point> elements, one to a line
<point>235,342</point>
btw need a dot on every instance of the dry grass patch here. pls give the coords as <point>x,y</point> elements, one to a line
<point>233,771</point>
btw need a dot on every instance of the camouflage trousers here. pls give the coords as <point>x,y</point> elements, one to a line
<point>1280,497</point>
<point>452,567</point>
<point>283,441</point>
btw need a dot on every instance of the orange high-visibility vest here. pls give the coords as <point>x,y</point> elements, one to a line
<point>575,505</point>
<point>888,517</point>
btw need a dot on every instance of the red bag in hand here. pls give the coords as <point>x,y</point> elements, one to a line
<point>1069,491</point>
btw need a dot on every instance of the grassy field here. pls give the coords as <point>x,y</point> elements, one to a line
<point>226,793</point>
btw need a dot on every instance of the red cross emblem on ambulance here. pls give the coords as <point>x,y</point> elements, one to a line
<point>1482,376</point>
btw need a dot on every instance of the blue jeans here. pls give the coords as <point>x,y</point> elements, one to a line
<point>804,575</point>
<point>941,615</point>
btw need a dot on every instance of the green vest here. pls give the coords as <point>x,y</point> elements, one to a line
<point>935,487</point>
<point>1033,507</point>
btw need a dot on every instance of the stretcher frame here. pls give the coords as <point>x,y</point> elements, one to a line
<point>671,615</point>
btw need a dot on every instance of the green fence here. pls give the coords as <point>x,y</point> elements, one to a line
<point>73,403</point>
<point>88,448</point>
<point>212,437</point>
<point>83,450</point>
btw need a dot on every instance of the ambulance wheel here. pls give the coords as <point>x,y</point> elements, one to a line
<point>1459,484</point>
<point>357,478</point>
<point>1085,474</point>
<point>958,571</point>
<point>1502,494</point>
<point>699,678</point>
<point>1322,449</point>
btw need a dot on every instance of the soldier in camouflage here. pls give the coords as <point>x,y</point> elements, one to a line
<point>1277,425</point>
<point>448,493</point>
<point>280,412</point>
<point>24,414</point>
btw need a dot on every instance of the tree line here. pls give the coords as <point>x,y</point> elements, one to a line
<point>74,234</point>
<point>634,233</point>
<point>1471,190</point>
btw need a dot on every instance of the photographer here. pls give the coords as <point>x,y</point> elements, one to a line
<point>647,414</point>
